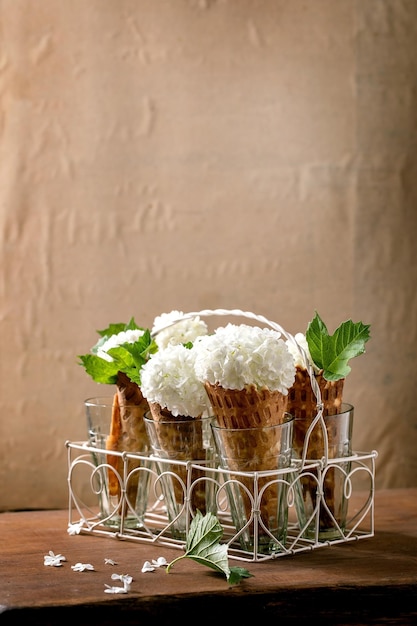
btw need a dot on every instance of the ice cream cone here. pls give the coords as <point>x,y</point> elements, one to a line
<point>249,407</point>
<point>127,434</point>
<point>248,421</point>
<point>302,404</point>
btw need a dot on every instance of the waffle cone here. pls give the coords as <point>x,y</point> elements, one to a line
<point>180,438</point>
<point>302,404</point>
<point>127,434</point>
<point>249,407</point>
<point>257,450</point>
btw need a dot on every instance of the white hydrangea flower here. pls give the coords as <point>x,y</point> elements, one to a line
<point>238,355</point>
<point>169,379</point>
<point>301,340</point>
<point>126,336</point>
<point>183,331</point>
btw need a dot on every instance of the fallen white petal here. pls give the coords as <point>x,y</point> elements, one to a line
<point>147,567</point>
<point>126,578</point>
<point>74,529</point>
<point>81,567</point>
<point>160,562</point>
<point>122,577</point>
<point>109,562</point>
<point>115,589</point>
<point>54,560</point>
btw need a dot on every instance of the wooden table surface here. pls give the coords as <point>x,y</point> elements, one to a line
<point>369,581</point>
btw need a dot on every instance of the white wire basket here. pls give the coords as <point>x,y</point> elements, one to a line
<point>152,522</point>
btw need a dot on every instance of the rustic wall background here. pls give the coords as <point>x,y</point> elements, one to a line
<point>189,154</point>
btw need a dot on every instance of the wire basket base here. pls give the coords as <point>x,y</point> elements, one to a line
<point>153,525</point>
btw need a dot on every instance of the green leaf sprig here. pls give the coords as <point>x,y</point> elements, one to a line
<point>331,353</point>
<point>127,358</point>
<point>203,546</point>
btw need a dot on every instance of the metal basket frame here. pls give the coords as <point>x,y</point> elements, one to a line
<point>155,528</point>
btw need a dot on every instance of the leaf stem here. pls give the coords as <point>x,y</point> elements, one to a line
<point>170,565</point>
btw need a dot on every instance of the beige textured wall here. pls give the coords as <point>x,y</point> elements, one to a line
<point>189,154</point>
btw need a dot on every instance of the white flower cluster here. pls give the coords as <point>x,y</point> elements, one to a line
<point>169,379</point>
<point>169,331</point>
<point>233,356</point>
<point>301,340</point>
<point>126,336</point>
<point>238,355</point>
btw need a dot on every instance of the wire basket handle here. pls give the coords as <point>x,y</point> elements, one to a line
<point>263,320</point>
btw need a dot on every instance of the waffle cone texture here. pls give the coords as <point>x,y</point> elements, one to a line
<point>251,450</point>
<point>302,404</point>
<point>127,434</point>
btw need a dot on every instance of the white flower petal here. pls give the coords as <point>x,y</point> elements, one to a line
<point>75,529</point>
<point>147,567</point>
<point>125,578</point>
<point>54,560</point>
<point>81,567</point>
<point>115,589</point>
<point>109,562</point>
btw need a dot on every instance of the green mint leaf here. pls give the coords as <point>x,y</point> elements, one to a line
<point>115,329</point>
<point>215,558</point>
<point>204,532</point>
<point>101,371</point>
<point>203,546</point>
<point>237,573</point>
<point>122,359</point>
<point>141,350</point>
<point>331,353</point>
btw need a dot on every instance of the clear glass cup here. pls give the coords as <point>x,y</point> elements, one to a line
<point>331,481</point>
<point>120,482</point>
<point>258,500</point>
<point>184,489</point>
